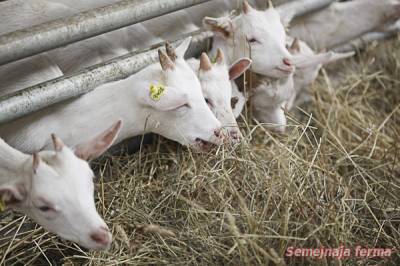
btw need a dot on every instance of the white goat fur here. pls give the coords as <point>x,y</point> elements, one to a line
<point>181,113</point>
<point>132,38</point>
<point>215,79</point>
<point>55,188</point>
<point>251,34</point>
<point>273,94</point>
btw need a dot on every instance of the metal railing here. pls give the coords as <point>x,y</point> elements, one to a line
<point>51,92</point>
<point>40,38</point>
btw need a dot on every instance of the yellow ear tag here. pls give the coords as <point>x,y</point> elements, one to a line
<point>2,205</point>
<point>156,91</point>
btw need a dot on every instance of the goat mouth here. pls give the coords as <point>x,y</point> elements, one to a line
<point>203,145</point>
<point>285,70</point>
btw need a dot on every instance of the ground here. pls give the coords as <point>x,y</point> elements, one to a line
<point>333,180</point>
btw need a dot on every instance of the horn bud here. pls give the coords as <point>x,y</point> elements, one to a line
<point>269,4</point>
<point>246,7</point>
<point>220,59</point>
<point>165,62</point>
<point>170,51</point>
<point>36,162</point>
<point>205,63</point>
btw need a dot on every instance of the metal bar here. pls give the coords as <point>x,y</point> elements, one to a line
<point>51,92</point>
<point>34,40</point>
<point>78,27</point>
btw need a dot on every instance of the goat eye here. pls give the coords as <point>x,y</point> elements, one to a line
<point>252,40</point>
<point>45,208</point>
<point>208,101</point>
<point>234,101</point>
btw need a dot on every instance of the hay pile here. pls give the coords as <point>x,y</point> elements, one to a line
<point>333,179</point>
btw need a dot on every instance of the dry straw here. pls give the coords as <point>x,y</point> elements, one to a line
<point>332,180</point>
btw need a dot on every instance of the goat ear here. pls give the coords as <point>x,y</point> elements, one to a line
<point>170,51</point>
<point>338,56</point>
<point>220,26</point>
<point>13,195</point>
<point>239,67</point>
<point>99,144</point>
<point>305,61</point>
<point>183,47</point>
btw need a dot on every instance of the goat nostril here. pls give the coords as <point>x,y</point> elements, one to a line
<point>218,133</point>
<point>234,135</point>
<point>101,236</point>
<point>287,62</point>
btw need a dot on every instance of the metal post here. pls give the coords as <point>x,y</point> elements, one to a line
<point>42,95</point>
<point>27,42</point>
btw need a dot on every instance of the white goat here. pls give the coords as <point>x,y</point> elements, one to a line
<point>55,188</point>
<point>271,99</point>
<point>163,98</point>
<point>274,87</point>
<point>308,66</point>
<point>344,21</point>
<point>259,35</point>
<point>215,79</point>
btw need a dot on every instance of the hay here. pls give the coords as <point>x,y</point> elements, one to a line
<point>332,180</point>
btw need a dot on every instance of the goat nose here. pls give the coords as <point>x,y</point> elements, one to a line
<point>235,135</point>
<point>101,236</point>
<point>287,62</point>
<point>218,133</point>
